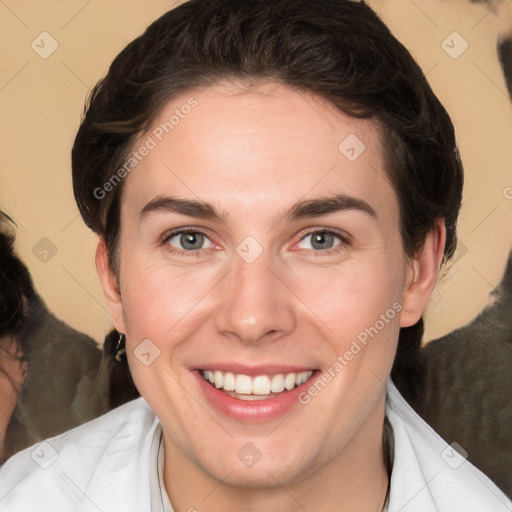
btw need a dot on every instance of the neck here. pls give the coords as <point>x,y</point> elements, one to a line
<point>8,399</point>
<point>11,379</point>
<point>356,478</point>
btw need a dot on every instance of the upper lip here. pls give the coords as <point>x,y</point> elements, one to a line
<point>253,371</point>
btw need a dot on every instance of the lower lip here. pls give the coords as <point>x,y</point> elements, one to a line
<point>253,410</point>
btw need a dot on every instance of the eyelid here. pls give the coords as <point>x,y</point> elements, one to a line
<point>184,229</point>
<point>343,235</point>
<point>345,238</point>
<point>198,253</point>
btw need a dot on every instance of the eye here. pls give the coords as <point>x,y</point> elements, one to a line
<point>322,240</point>
<point>188,240</point>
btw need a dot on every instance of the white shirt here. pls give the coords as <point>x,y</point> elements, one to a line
<point>115,463</point>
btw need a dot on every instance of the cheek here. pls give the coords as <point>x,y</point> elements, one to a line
<point>353,296</point>
<point>11,382</point>
<point>340,301</point>
<point>157,298</point>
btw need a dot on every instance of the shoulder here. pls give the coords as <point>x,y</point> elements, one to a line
<point>430,474</point>
<point>89,463</point>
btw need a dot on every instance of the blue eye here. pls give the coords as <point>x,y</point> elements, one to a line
<point>321,240</point>
<point>187,240</point>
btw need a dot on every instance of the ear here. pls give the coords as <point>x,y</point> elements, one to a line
<point>110,286</point>
<point>422,275</point>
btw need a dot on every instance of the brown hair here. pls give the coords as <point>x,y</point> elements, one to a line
<point>337,49</point>
<point>17,293</point>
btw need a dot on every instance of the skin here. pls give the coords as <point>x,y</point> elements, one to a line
<point>11,380</point>
<point>253,152</point>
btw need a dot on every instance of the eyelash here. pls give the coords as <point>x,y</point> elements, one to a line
<point>195,253</point>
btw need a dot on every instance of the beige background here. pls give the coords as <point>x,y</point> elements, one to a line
<point>41,101</point>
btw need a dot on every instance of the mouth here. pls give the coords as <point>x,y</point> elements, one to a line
<point>257,387</point>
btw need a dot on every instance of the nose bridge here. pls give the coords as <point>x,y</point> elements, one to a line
<point>254,303</point>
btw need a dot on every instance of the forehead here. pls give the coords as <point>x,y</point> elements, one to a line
<point>258,147</point>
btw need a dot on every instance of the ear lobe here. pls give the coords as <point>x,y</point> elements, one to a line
<point>422,275</point>
<point>110,286</point>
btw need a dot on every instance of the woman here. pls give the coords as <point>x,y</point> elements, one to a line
<point>275,187</point>
<point>15,282</point>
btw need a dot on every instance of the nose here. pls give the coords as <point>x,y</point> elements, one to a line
<point>254,303</point>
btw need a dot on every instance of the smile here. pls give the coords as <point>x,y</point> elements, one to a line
<point>259,387</point>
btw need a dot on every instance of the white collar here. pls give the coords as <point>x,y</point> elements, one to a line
<point>421,479</point>
<point>159,498</point>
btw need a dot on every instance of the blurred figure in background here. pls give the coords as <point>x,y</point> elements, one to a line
<point>461,385</point>
<point>15,292</point>
<point>50,378</point>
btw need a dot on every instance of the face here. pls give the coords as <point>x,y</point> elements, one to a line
<point>12,375</point>
<point>260,249</point>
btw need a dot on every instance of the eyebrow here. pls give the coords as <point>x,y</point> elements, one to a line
<point>301,210</point>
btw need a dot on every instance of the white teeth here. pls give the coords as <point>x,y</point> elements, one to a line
<point>229,382</point>
<point>289,382</point>
<point>251,397</point>
<point>278,383</point>
<point>259,386</point>
<point>219,379</point>
<point>243,384</point>
<point>302,377</point>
